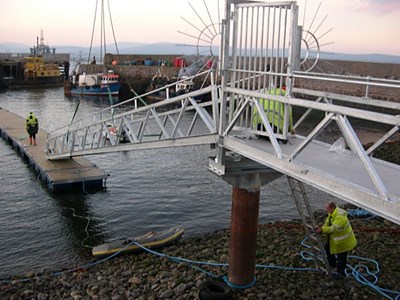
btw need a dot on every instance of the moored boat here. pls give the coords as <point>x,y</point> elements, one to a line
<point>37,71</point>
<point>89,80</point>
<point>151,240</point>
<point>94,84</point>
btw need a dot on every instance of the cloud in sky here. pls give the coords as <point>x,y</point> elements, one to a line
<point>377,7</point>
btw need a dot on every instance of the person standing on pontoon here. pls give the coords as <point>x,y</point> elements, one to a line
<point>32,127</point>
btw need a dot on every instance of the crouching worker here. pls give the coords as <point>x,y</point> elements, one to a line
<point>32,127</point>
<point>275,112</point>
<point>340,237</point>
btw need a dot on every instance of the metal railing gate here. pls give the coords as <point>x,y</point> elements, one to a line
<point>261,46</point>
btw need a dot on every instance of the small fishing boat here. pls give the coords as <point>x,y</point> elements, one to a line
<point>157,88</point>
<point>184,86</point>
<point>95,84</point>
<point>93,79</point>
<point>151,240</point>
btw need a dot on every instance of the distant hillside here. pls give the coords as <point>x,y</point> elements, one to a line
<point>14,47</point>
<point>160,48</point>
<point>377,58</point>
<point>179,49</point>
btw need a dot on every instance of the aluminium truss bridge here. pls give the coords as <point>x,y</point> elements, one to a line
<point>260,57</point>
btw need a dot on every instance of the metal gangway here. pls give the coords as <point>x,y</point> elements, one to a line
<point>261,62</point>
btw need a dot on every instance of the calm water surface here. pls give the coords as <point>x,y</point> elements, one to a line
<point>146,190</point>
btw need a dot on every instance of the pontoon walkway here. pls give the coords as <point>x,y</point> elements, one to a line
<point>75,173</point>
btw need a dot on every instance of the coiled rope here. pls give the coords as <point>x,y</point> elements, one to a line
<point>361,272</point>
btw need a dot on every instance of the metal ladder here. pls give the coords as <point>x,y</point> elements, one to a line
<point>306,214</point>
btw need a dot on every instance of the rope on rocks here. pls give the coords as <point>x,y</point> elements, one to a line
<point>360,212</point>
<point>185,260</point>
<point>361,273</point>
<point>224,278</point>
<point>235,286</point>
<point>364,276</point>
<point>87,266</point>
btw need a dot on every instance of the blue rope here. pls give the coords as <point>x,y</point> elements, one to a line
<point>361,273</point>
<point>364,276</point>
<point>235,286</point>
<point>87,266</point>
<point>178,259</point>
<point>360,212</point>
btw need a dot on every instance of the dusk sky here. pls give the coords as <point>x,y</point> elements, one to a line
<point>359,26</point>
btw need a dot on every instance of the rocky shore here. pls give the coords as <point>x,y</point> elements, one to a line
<point>149,276</point>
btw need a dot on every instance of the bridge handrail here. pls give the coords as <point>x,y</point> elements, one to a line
<point>352,112</point>
<point>368,80</point>
<point>109,109</point>
<point>77,125</point>
<point>350,99</point>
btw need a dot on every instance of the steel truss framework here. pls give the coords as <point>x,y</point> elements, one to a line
<point>254,69</point>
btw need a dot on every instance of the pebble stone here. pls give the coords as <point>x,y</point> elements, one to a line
<point>147,276</point>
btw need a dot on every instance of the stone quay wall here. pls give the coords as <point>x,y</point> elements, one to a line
<point>139,69</point>
<point>357,69</point>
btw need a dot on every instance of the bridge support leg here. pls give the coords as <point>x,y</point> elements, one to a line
<point>244,224</point>
<point>246,178</point>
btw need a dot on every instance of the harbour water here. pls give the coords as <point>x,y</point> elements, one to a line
<point>146,190</point>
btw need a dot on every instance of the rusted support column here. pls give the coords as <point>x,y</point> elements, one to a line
<point>246,178</point>
<point>244,222</point>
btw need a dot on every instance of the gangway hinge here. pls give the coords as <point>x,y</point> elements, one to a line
<point>307,217</point>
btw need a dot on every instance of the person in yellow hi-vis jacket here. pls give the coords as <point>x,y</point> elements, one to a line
<point>275,112</point>
<point>32,127</point>
<point>341,238</point>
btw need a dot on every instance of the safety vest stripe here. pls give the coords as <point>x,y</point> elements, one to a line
<point>339,238</point>
<point>340,229</point>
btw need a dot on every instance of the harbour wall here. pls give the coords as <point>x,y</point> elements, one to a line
<point>341,67</point>
<point>357,69</point>
<point>140,75</point>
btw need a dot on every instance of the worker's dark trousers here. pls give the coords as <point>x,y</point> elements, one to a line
<point>338,260</point>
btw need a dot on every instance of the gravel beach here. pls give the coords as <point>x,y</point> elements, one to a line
<point>148,276</point>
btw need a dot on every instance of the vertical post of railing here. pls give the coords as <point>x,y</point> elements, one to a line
<point>224,77</point>
<point>214,99</point>
<point>367,87</point>
<point>293,61</point>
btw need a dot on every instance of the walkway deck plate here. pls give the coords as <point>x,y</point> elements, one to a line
<point>77,172</point>
<point>339,174</point>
